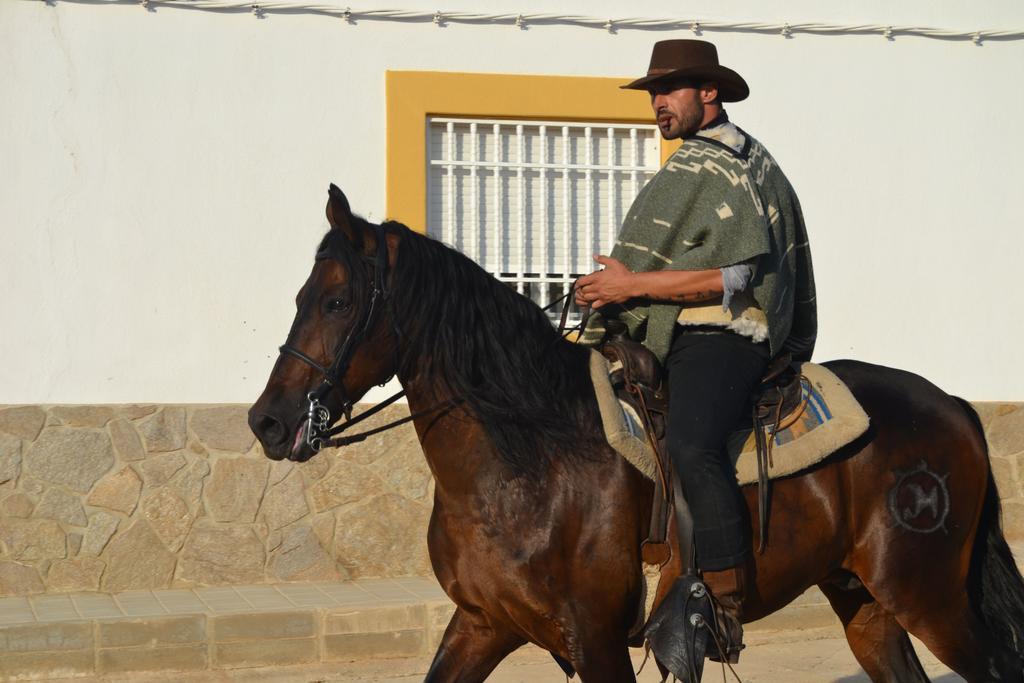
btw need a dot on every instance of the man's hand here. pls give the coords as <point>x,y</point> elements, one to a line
<point>613,285</point>
<point>616,284</point>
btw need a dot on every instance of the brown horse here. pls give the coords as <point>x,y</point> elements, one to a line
<point>537,523</point>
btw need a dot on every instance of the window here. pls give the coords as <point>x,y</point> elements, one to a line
<point>532,201</point>
<point>529,175</point>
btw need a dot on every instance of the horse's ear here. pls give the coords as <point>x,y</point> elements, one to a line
<point>339,215</point>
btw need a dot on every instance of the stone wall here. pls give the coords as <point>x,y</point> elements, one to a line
<point>1004,430</point>
<point>115,498</point>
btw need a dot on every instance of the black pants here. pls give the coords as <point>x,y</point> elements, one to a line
<point>711,377</point>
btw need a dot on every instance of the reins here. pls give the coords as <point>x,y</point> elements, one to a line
<point>362,436</point>
<point>568,299</point>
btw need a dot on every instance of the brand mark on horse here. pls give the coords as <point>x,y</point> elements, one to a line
<point>919,501</point>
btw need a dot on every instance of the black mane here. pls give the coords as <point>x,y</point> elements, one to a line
<point>496,350</point>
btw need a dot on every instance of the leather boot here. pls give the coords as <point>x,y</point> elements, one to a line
<point>728,588</point>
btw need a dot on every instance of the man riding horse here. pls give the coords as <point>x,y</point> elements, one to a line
<point>712,272</point>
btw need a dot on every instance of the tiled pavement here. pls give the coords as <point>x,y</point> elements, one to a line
<point>218,628</point>
<point>249,632</point>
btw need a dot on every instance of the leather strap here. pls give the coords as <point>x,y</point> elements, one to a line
<point>763,482</point>
<point>362,436</point>
<point>292,351</point>
<point>337,429</point>
<point>566,305</point>
<point>764,444</point>
<point>654,549</point>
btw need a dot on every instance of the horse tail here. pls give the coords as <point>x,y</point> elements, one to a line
<point>995,588</point>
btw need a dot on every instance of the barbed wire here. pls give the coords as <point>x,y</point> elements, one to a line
<point>523,20</point>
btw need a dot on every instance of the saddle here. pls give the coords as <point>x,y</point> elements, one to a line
<point>639,380</point>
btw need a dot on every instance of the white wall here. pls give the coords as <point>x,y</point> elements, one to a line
<point>163,175</point>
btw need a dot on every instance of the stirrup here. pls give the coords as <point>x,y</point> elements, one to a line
<point>680,630</point>
<point>727,637</point>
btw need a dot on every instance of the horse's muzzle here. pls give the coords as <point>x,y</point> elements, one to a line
<point>273,434</point>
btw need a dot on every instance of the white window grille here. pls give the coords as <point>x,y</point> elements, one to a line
<point>531,201</point>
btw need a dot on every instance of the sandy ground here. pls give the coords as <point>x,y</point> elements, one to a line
<point>819,656</point>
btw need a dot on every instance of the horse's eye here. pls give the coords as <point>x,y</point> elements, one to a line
<point>337,305</point>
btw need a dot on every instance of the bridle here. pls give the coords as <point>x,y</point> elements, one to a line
<point>319,433</point>
<point>317,426</point>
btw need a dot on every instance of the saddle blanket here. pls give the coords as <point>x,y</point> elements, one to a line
<point>828,418</point>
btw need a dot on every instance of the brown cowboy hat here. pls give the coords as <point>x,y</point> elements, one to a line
<point>696,59</point>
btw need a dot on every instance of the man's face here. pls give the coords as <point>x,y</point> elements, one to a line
<point>678,107</point>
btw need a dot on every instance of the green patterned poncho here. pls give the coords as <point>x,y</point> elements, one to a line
<point>710,207</point>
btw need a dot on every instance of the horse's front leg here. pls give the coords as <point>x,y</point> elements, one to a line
<point>470,649</point>
<point>609,662</point>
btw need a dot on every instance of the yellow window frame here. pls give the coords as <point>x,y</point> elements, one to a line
<point>412,96</point>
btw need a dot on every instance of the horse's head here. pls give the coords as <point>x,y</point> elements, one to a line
<point>341,342</point>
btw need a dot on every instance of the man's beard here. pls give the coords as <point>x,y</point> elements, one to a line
<point>690,120</point>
